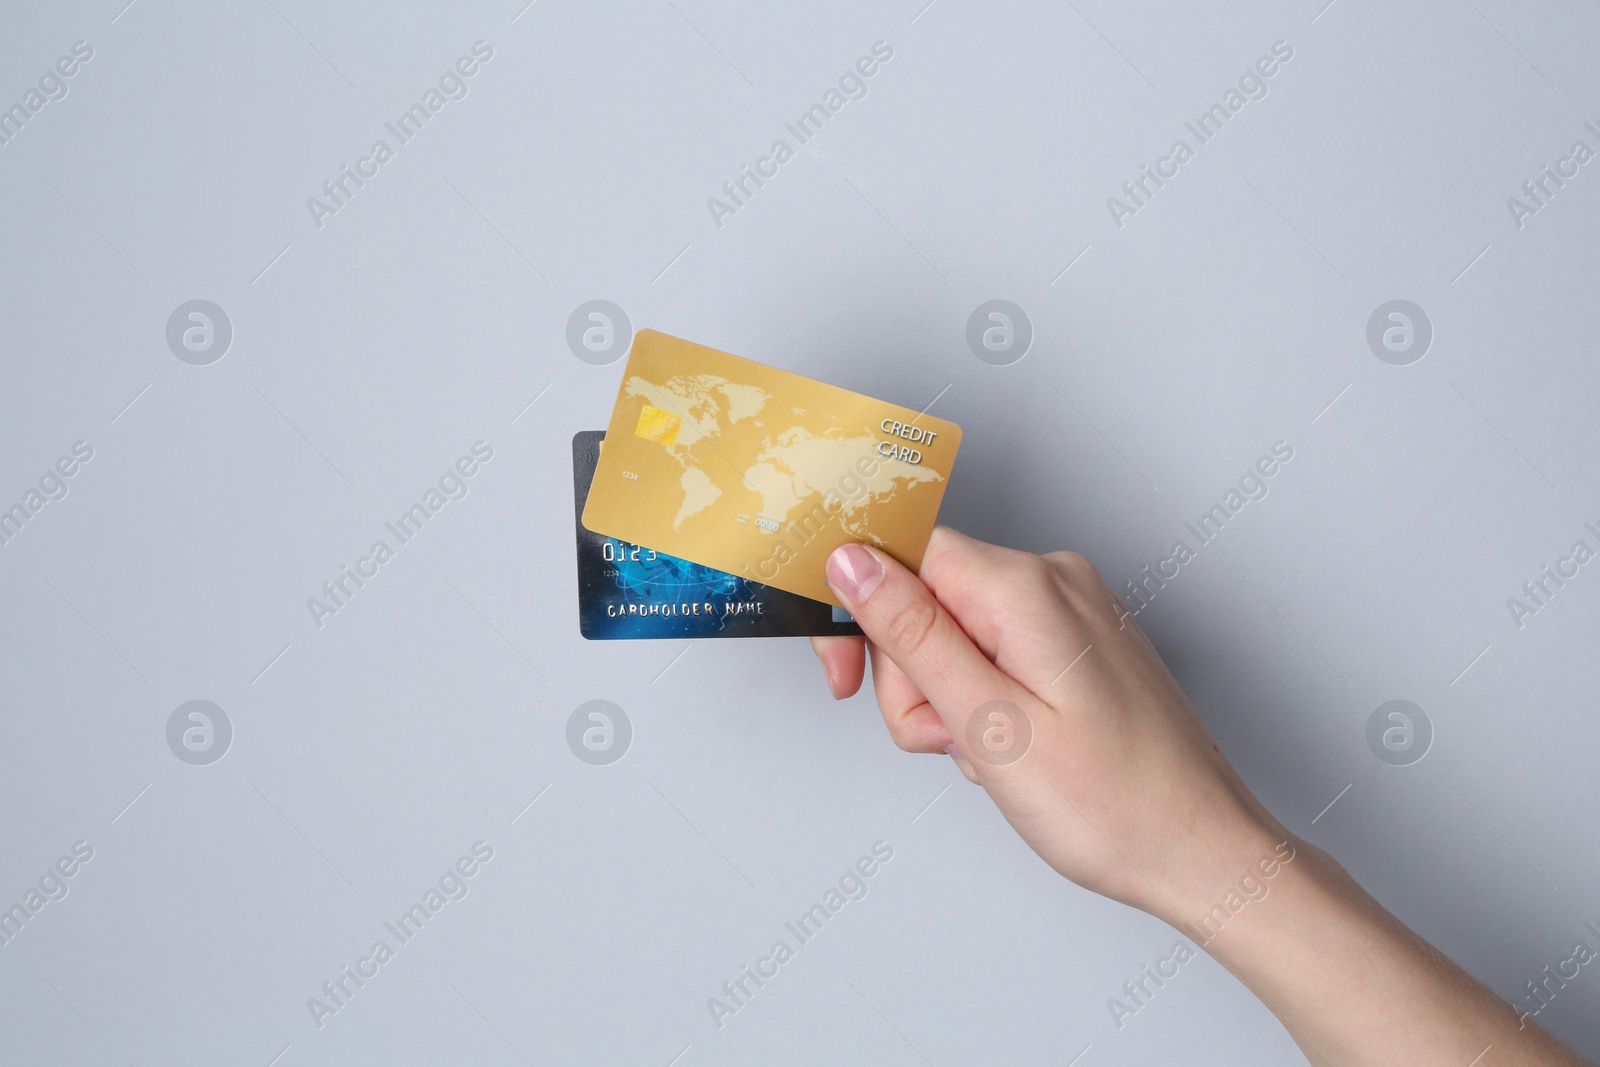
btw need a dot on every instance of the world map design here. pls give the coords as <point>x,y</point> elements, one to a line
<point>796,466</point>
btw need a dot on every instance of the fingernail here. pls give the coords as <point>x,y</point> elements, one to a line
<point>855,572</point>
<point>951,749</point>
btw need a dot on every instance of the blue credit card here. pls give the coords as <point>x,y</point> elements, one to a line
<point>627,591</point>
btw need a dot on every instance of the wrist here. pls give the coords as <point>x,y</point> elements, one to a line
<point>1350,979</point>
<point>1232,873</point>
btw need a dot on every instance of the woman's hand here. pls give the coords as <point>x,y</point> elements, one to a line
<point>1029,672</point>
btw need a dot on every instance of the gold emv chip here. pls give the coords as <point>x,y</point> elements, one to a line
<point>656,424</point>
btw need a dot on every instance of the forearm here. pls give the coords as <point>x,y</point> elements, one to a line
<point>1353,984</point>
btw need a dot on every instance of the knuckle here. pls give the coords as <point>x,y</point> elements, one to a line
<point>945,562</point>
<point>1079,584</point>
<point>912,623</point>
<point>1074,566</point>
<point>1033,569</point>
<point>1016,568</point>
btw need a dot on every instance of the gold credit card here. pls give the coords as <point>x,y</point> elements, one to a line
<point>749,469</point>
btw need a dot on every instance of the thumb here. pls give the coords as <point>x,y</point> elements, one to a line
<point>905,621</point>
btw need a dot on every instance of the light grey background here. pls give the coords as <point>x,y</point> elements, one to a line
<point>1227,314</point>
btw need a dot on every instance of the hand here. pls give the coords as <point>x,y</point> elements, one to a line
<point>1082,737</point>
<point>1029,672</point>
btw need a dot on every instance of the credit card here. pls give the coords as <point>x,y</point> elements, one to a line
<point>627,591</point>
<point>761,473</point>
